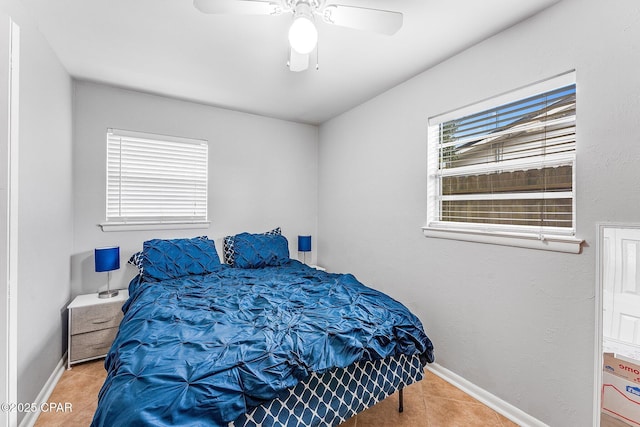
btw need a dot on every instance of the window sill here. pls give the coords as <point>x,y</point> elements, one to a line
<point>143,226</point>
<point>548,243</point>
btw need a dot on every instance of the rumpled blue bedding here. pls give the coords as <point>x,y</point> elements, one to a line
<point>202,350</point>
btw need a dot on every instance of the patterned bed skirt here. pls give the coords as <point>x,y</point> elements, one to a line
<point>331,398</point>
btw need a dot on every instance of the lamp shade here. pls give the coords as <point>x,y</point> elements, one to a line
<point>107,259</point>
<point>304,243</point>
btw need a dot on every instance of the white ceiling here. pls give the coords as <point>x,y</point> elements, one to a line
<point>167,47</point>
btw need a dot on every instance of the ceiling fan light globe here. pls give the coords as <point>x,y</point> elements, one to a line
<point>303,35</point>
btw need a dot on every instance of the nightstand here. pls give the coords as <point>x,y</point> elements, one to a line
<point>93,324</point>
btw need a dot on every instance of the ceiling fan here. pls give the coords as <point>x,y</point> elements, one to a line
<point>303,35</point>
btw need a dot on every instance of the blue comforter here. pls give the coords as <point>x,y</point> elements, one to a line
<point>202,350</point>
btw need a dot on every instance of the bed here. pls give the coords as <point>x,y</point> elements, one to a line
<point>265,341</point>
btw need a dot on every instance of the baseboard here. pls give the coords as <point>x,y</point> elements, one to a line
<point>30,418</point>
<point>508,410</point>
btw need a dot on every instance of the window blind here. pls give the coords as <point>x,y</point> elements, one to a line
<point>155,178</point>
<point>510,167</point>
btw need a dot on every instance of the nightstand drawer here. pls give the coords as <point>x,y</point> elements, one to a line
<point>91,344</point>
<point>95,318</point>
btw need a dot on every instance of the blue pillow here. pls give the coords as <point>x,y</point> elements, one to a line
<point>260,250</point>
<point>172,258</point>
<point>227,245</point>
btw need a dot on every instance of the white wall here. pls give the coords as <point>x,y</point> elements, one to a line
<point>518,323</point>
<point>262,173</point>
<point>45,206</point>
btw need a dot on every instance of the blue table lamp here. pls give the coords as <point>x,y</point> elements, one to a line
<point>304,246</point>
<point>107,259</point>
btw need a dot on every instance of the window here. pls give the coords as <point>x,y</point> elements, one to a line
<point>505,169</point>
<point>155,179</point>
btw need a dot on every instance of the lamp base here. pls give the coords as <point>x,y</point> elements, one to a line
<point>108,294</point>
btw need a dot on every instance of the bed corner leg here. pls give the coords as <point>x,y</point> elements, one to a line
<point>401,400</point>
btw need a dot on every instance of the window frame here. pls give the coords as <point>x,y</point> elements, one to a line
<point>560,239</point>
<point>153,222</point>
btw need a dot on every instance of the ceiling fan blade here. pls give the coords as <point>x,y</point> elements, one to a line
<point>362,18</point>
<point>298,61</point>
<point>238,7</point>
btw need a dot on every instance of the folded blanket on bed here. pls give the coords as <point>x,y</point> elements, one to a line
<point>204,349</point>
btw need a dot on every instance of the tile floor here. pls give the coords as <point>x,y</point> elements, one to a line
<point>607,421</point>
<point>431,402</point>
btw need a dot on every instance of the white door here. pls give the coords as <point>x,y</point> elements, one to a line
<point>4,205</point>
<point>9,46</point>
<point>621,285</point>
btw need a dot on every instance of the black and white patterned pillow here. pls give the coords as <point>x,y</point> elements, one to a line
<point>136,261</point>
<point>228,243</point>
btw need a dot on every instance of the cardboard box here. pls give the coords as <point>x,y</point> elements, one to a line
<point>621,398</point>
<point>622,367</point>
